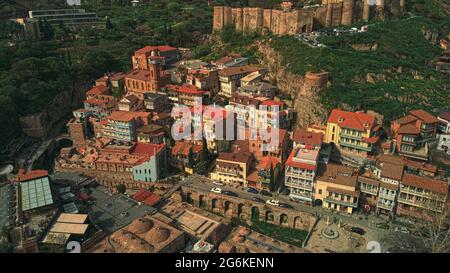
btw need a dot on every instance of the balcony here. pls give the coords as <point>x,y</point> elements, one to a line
<point>387,195</point>
<point>341,202</point>
<point>385,206</point>
<point>370,191</point>
<point>300,185</point>
<point>355,146</point>
<point>352,136</point>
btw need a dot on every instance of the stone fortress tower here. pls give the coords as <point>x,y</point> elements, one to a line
<point>289,20</point>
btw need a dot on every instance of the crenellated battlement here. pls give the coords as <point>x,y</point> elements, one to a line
<point>289,20</point>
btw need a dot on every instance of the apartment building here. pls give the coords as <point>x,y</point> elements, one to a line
<point>355,134</point>
<point>336,188</point>
<point>262,146</point>
<point>421,196</point>
<point>230,77</point>
<point>390,177</point>
<point>369,187</point>
<point>444,122</point>
<point>130,103</point>
<point>233,168</point>
<point>414,134</point>
<point>79,128</point>
<point>273,114</point>
<point>122,125</point>
<point>246,110</point>
<point>204,79</point>
<point>186,94</point>
<point>179,154</point>
<point>99,100</point>
<point>156,102</point>
<point>300,171</point>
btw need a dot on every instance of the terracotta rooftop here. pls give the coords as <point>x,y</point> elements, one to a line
<point>433,185</point>
<point>424,116</point>
<point>182,148</point>
<point>353,120</point>
<point>268,161</point>
<point>243,157</point>
<point>304,137</point>
<point>392,171</point>
<point>186,88</point>
<point>231,71</point>
<point>31,175</point>
<point>334,173</point>
<point>125,116</point>
<point>292,163</point>
<point>244,100</point>
<point>149,49</point>
<point>98,90</point>
<point>140,75</point>
<point>343,191</point>
<point>409,129</point>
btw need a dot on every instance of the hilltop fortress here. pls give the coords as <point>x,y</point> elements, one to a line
<point>289,20</point>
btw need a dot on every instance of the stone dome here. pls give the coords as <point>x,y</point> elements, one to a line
<point>157,235</point>
<point>238,238</point>
<point>140,226</point>
<point>244,231</point>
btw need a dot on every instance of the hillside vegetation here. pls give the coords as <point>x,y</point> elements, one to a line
<point>393,78</point>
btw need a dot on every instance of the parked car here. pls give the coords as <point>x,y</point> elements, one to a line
<point>273,202</point>
<point>124,214</point>
<point>403,230</point>
<point>218,183</point>
<point>257,199</point>
<point>230,193</point>
<point>286,206</point>
<point>252,190</point>
<point>265,193</point>
<point>358,230</point>
<point>216,190</point>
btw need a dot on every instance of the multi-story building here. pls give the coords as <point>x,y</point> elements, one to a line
<point>260,178</point>
<point>122,125</point>
<point>261,146</point>
<point>204,79</point>
<point>68,17</point>
<point>444,122</point>
<point>151,133</point>
<point>273,114</point>
<point>355,134</point>
<point>420,196</point>
<point>186,94</point>
<point>369,187</point>
<point>130,103</point>
<point>246,110</point>
<point>99,100</point>
<point>156,102</point>
<point>233,168</point>
<point>179,155</point>
<point>230,77</point>
<point>142,58</point>
<point>390,177</point>
<point>414,134</point>
<point>300,171</point>
<point>444,143</point>
<point>302,138</point>
<point>139,82</point>
<point>263,89</point>
<point>336,188</point>
<point>230,61</point>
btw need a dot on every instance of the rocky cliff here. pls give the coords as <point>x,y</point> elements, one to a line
<point>304,90</point>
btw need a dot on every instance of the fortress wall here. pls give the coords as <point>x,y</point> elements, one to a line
<point>238,19</point>
<point>267,19</point>
<point>348,8</point>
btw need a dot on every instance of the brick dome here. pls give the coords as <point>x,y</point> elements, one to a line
<point>140,226</point>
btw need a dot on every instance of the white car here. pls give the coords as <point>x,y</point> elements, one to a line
<point>218,183</point>
<point>273,202</point>
<point>216,190</point>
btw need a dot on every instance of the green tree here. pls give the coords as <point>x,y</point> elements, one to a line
<point>191,160</point>
<point>272,179</point>
<point>204,156</point>
<point>121,188</point>
<point>201,167</point>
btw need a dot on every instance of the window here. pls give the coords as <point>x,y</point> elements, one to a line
<point>320,191</point>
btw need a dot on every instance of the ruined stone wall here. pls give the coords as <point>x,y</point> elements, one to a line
<point>245,209</point>
<point>279,22</point>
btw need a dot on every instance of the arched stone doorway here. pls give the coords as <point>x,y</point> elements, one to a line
<point>269,216</point>
<point>240,210</point>
<point>255,214</point>
<point>284,220</point>
<point>227,207</point>
<point>189,199</point>
<point>298,222</point>
<point>214,204</point>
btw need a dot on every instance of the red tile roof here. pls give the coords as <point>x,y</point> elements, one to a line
<point>128,116</point>
<point>231,71</point>
<point>424,116</point>
<point>392,171</point>
<point>147,148</point>
<point>353,120</point>
<point>148,49</point>
<point>272,103</point>
<point>307,138</point>
<point>98,90</point>
<point>433,185</point>
<point>243,157</point>
<point>268,161</point>
<point>408,129</point>
<point>146,197</point>
<point>186,88</point>
<point>31,175</point>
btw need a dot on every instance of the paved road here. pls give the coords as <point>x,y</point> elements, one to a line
<point>204,184</point>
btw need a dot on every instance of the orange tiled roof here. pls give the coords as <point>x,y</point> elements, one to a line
<point>353,120</point>
<point>433,185</point>
<point>148,49</point>
<point>291,163</point>
<point>34,174</point>
<point>308,138</point>
<point>98,90</point>
<point>186,88</point>
<point>424,116</point>
<point>230,71</point>
<point>268,161</point>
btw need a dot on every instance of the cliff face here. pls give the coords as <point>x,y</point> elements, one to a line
<point>41,125</point>
<point>293,21</point>
<point>304,90</point>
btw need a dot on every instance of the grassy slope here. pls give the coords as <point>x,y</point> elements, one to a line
<point>401,44</point>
